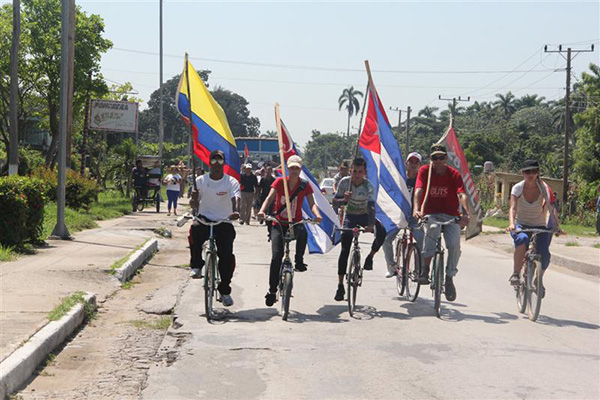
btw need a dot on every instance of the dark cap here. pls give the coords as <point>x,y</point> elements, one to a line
<point>528,165</point>
<point>437,149</point>
<point>217,153</point>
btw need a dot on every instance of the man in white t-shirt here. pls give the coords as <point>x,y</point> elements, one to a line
<point>219,199</point>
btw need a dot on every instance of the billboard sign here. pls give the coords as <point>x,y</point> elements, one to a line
<point>116,116</point>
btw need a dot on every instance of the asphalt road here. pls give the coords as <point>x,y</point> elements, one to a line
<point>480,348</point>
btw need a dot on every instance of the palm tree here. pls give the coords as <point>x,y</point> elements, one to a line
<point>506,103</point>
<point>529,100</point>
<point>428,112</point>
<point>349,100</point>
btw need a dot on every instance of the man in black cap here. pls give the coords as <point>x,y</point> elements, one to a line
<point>219,197</point>
<point>445,190</point>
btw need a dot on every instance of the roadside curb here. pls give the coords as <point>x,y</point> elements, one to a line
<point>18,367</point>
<point>136,260</point>
<point>575,265</point>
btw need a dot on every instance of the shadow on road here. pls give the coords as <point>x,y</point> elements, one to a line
<point>561,323</point>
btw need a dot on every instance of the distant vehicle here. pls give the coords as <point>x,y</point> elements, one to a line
<point>327,188</point>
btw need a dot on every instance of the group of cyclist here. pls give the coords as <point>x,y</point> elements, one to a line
<point>436,190</point>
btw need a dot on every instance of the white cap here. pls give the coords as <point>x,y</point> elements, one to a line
<point>248,165</point>
<point>294,161</point>
<point>414,154</point>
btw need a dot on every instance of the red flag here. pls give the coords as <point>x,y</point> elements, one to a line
<point>457,159</point>
<point>246,151</point>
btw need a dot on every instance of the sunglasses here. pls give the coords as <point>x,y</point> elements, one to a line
<point>531,171</point>
<point>216,161</point>
<point>438,158</point>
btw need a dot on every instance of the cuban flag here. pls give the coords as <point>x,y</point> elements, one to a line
<point>319,236</point>
<point>385,166</point>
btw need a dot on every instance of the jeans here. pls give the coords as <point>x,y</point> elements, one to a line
<point>172,195</point>
<point>224,234</point>
<point>352,221</point>
<point>388,244</point>
<point>451,237</point>
<point>542,244</point>
<point>278,251</point>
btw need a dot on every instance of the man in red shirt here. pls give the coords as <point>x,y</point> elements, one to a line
<point>446,190</point>
<point>298,190</point>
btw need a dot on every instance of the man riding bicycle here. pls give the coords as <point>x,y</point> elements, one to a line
<point>358,194</point>
<point>219,197</point>
<point>529,209</point>
<point>444,192</point>
<point>299,189</point>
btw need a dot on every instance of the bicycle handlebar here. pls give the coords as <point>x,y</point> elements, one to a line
<point>441,223</point>
<point>280,223</point>
<point>535,230</point>
<point>183,220</point>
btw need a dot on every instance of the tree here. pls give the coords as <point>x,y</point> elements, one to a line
<point>327,149</point>
<point>506,103</point>
<point>427,112</point>
<point>587,133</point>
<point>42,50</point>
<point>349,100</point>
<point>238,115</point>
<point>529,100</point>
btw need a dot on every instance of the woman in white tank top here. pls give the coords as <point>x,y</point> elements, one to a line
<point>531,205</point>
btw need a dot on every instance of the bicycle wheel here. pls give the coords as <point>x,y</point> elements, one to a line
<point>438,267</point>
<point>353,278</point>
<point>522,289</point>
<point>209,285</point>
<point>411,270</point>
<point>134,201</point>
<point>534,300</point>
<point>401,275</point>
<point>140,204</point>
<point>286,294</point>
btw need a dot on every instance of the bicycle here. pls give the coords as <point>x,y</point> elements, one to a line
<point>355,270</point>
<point>408,266</point>
<point>437,271</point>
<point>286,271</point>
<point>211,274</point>
<point>530,290</point>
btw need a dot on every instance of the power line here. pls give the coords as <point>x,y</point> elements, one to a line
<point>328,69</point>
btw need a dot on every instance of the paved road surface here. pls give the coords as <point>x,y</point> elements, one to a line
<point>480,348</point>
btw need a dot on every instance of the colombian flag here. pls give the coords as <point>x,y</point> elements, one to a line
<point>209,124</point>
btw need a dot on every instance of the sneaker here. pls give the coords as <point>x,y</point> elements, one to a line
<point>391,274</point>
<point>270,299</point>
<point>449,289</point>
<point>514,279</point>
<point>424,276</point>
<point>241,222</point>
<point>300,267</point>
<point>340,293</point>
<point>196,273</point>
<point>368,263</point>
<point>227,300</point>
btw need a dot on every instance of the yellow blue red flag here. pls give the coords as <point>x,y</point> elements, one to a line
<point>209,123</point>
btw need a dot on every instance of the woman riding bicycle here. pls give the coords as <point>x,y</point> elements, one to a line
<point>530,204</point>
<point>299,189</point>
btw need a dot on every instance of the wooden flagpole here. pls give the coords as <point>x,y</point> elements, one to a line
<point>369,87</point>
<point>187,81</point>
<point>283,163</point>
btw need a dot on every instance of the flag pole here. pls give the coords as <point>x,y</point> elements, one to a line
<point>187,82</point>
<point>282,157</point>
<point>369,87</point>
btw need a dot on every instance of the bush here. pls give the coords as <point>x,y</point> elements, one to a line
<point>22,203</point>
<point>81,192</point>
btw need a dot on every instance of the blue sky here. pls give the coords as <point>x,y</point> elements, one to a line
<point>398,36</point>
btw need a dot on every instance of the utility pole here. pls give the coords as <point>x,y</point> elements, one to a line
<point>13,150</point>
<point>71,39</point>
<point>400,111</point>
<point>60,229</point>
<point>86,117</point>
<point>161,129</point>
<point>453,109</point>
<point>569,57</point>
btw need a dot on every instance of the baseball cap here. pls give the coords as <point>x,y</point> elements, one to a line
<point>248,165</point>
<point>529,165</point>
<point>294,161</point>
<point>217,153</point>
<point>414,154</point>
<point>438,149</point>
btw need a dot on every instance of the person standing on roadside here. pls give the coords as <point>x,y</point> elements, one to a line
<point>264,187</point>
<point>172,181</point>
<point>248,184</point>
<point>343,172</point>
<point>218,199</point>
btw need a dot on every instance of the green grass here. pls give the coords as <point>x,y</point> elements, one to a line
<point>570,229</point>
<point>7,253</point>
<point>572,244</point>
<point>119,263</point>
<point>596,246</point>
<point>161,323</point>
<point>68,303</point>
<point>110,205</point>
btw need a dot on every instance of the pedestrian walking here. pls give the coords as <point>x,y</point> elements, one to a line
<point>173,187</point>
<point>249,185</point>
